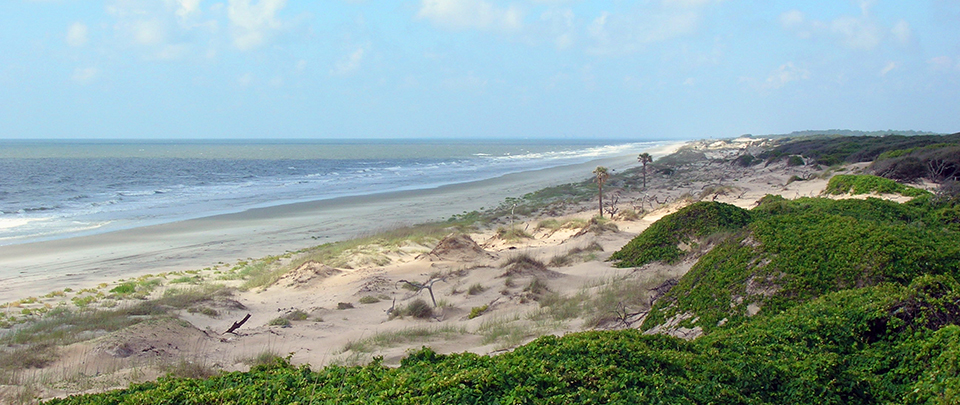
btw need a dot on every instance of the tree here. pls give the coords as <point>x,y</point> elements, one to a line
<point>602,175</point>
<point>644,158</point>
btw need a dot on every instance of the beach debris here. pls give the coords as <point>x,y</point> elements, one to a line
<point>237,325</point>
<point>428,285</point>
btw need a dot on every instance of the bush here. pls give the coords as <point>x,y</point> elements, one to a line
<point>369,299</point>
<point>864,184</point>
<point>660,241</point>
<point>477,311</point>
<point>418,309</point>
<point>794,251</point>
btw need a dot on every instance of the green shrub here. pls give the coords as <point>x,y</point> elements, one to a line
<point>849,347</point>
<point>369,299</point>
<point>864,184</point>
<point>660,241</point>
<point>125,288</point>
<point>477,311</point>
<point>794,251</point>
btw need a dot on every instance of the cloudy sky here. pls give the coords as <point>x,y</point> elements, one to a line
<point>647,69</point>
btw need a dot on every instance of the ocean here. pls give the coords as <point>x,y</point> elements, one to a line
<point>54,189</point>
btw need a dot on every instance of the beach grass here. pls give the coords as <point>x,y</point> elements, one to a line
<point>395,338</point>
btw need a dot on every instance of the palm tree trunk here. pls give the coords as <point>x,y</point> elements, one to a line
<point>644,175</point>
<point>600,187</point>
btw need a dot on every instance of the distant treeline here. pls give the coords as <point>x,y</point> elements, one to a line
<point>848,132</point>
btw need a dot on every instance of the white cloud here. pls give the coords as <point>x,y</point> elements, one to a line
<point>470,14</point>
<point>348,64</point>
<point>863,32</point>
<point>77,34</point>
<point>253,24</point>
<point>169,52</point>
<point>942,63</point>
<point>85,75</point>
<point>792,19</point>
<point>786,74</point>
<point>889,68</point>
<point>245,79</point>
<point>628,32</point>
<point>902,32</point>
<point>560,26</point>
<point>187,8</point>
<point>148,32</point>
<point>470,82</point>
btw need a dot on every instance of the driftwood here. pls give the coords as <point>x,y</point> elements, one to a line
<point>237,325</point>
<point>428,286</point>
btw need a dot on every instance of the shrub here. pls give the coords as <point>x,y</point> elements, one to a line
<point>476,289</point>
<point>281,322</point>
<point>477,311</point>
<point>125,288</point>
<point>795,160</point>
<point>863,184</point>
<point>418,309</point>
<point>369,299</point>
<point>660,241</point>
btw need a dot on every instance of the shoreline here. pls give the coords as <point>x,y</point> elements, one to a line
<point>40,267</point>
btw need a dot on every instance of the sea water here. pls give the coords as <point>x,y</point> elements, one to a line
<point>58,189</point>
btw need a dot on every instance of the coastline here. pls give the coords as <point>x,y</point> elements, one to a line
<point>40,267</point>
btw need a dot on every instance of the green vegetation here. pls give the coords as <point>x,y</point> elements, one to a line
<point>937,162</point>
<point>663,240</point>
<point>879,344</point>
<point>783,253</point>
<point>830,151</point>
<point>369,299</point>
<point>865,184</point>
<point>477,311</point>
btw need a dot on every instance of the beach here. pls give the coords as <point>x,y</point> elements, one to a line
<point>182,288</point>
<point>38,268</point>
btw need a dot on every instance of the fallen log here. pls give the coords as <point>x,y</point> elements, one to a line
<point>237,325</point>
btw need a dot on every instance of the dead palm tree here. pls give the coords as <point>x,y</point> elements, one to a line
<point>644,158</point>
<point>602,175</point>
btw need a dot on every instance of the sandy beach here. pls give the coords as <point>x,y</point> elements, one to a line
<point>41,267</point>
<point>351,307</point>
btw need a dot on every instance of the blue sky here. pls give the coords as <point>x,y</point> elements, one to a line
<point>656,69</point>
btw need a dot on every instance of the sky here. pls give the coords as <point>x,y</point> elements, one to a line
<point>599,69</point>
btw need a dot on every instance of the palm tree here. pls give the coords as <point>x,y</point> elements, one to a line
<point>602,175</point>
<point>644,158</point>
